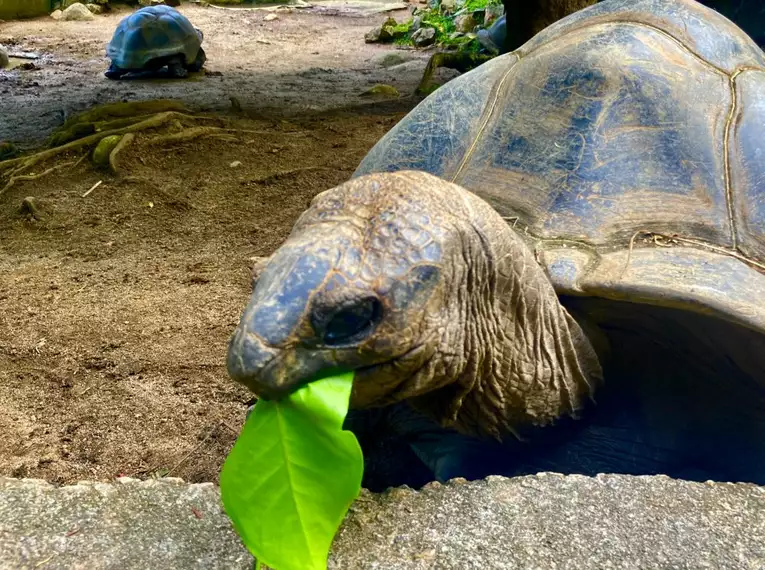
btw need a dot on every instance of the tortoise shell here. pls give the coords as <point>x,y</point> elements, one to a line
<point>152,33</point>
<point>626,143</point>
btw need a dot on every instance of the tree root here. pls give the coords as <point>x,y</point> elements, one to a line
<point>103,118</point>
<point>100,123</point>
<point>22,177</point>
<point>129,109</point>
<point>152,122</point>
<point>17,165</point>
<point>124,141</point>
<point>460,60</point>
<point>205,132</point>
<point>79,161</point>
<point>187,135</point>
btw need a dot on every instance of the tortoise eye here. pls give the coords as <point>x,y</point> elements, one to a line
<point>351,323</point>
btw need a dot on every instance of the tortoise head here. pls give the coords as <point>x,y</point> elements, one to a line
<point>360,284</point>
<point>403,278</point>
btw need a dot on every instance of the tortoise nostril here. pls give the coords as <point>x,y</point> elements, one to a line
<point>350,323</point>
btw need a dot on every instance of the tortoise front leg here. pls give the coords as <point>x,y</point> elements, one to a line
<point>176,68</point>
<point>461,61</point>
<point>114,72</point>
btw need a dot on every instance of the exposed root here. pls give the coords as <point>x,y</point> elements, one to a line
<point>79,161</point>
<point>187,135</point>
<point>117,123</point>
<point>120,123</point>
<point>20,164</point>
<point>102,118</point>
<point>461,61</point>
<point>152,122</point>
<point>216,132</point>
<point>129,109</point>
<point>93,126</point>
<point>124,141</point>
<point>74,132</point>
<point>22,177</point>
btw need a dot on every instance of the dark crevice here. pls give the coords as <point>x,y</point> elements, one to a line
<point>684,396</point>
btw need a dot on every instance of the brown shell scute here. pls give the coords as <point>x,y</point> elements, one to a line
<point>610,143</point>
<point>630,125</point>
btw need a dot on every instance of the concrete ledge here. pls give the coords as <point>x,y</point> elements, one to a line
<point>127,524</point>
<point>545,521</point>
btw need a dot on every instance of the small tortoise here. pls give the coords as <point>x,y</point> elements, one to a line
<point>152,38</point>
<point>582,220</point>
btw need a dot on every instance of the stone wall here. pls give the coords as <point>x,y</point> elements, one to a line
<point>527,523</point>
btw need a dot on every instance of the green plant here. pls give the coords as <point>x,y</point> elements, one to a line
<point>475,5</point>
<point>292,475</point>
<point>444,26</point>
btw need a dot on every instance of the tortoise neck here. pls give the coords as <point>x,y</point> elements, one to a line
<point>526,360</point>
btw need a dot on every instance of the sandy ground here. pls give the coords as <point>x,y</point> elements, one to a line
<point>303,61</point>
<point>115,308</point>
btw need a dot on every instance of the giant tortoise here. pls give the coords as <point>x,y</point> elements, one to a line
<point>153,38</point>
<point>555,262</point>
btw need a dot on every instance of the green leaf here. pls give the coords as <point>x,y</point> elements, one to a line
<point>292,475</point>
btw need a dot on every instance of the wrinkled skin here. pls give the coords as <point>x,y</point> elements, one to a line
<point>425,292</point>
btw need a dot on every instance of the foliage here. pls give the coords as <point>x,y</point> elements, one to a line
<point>476,5</point>
<point>292,475</point>
<point>444,25</point>
<point>442,20</point>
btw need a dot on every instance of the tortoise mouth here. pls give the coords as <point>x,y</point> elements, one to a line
<point>276,392</point>
<point>265,391</point>
<point>271,382</point>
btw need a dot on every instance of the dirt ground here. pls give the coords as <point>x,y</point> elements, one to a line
<point>116,307</point>
<point>303,61</point>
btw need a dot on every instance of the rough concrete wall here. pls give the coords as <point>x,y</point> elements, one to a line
<point>14,9</point>
<point>527,523</point>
